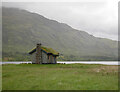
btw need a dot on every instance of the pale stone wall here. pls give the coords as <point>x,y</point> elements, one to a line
<point>34,57</point>
<point>44,57</point>
<point>52,59</point>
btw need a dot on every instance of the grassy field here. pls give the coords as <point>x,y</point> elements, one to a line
<point>59,77</point>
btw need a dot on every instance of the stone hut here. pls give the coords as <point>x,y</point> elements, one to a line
<point>43,55</point>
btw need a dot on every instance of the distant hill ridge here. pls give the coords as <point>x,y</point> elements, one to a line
<point>23,29</point>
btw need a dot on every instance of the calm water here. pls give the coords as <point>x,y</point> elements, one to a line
<point>92,62</point>
<point>69,62</point>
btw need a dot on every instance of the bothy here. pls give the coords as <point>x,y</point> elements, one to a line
<point>43,55</point>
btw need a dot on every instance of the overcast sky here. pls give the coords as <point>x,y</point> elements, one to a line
<point>99,18</point>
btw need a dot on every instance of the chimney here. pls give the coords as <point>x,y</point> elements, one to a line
<point>38,54</point>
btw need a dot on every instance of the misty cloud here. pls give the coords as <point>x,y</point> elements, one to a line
<point>97,18</point>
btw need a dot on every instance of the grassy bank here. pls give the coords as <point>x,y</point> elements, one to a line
<point>59,77</point>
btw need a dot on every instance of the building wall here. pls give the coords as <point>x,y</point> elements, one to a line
<point>34,57</point>
<point>50,58</point>
<point>54,60</point>
<point>45,59</point>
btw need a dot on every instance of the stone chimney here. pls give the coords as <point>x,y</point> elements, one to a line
<point>38,54</point>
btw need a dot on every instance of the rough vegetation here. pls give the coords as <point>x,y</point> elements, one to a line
<point>48,50</point>
<point>59,77</point>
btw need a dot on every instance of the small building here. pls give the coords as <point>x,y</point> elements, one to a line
<point>43,55</point>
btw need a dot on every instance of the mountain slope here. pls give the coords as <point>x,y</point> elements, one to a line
<point>23,29</point>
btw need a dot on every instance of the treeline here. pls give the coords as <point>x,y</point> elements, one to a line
<point>15,56</point>
<point>86,58</point>
<point>26,57</point>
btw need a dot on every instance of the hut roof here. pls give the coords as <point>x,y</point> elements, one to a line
<point>46,50</point>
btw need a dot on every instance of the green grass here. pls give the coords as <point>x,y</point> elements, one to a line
<point>59,77</point>
<point>48,50</point>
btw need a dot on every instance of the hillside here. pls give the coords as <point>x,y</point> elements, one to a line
<point>23,29</point>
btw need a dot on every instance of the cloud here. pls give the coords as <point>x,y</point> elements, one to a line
<point>97,18</point>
